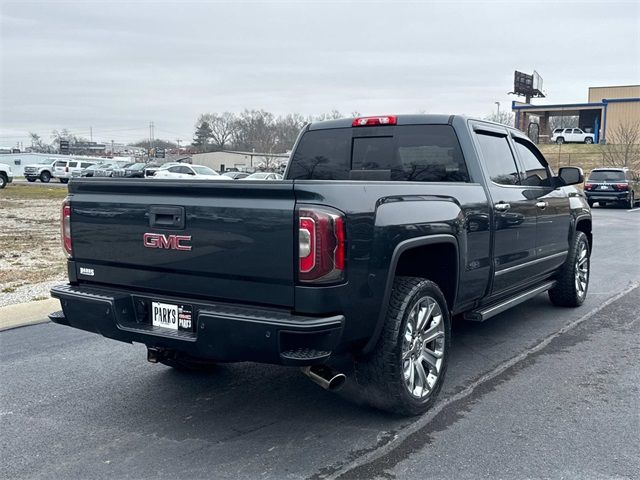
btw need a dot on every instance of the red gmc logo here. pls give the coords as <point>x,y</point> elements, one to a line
<point>173,242</point>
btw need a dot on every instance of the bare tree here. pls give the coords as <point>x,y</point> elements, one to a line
<point>623,146</point>
<point>222,125</point>
<point>38,145</point>
<point>504,117</point>
<point>287,130</point>
<point>254,130</point>
<point>332,115</point>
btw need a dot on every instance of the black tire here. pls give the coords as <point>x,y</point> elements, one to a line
<point>602,204</point>
<point>30,179</point>
<point>381,373</point>
<point>567,291</point>
<point>45,177</point>
<point>3,181</point>
<point>590,202</point>
<point>187,364</point>
<point>588,140</point>
<point>632,200</point>
<point>64,180</point>
<point>560,140</point>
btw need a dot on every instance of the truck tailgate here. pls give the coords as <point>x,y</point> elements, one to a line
<point>240,234</point>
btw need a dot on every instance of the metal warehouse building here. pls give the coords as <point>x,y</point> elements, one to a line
<point>607,109</point>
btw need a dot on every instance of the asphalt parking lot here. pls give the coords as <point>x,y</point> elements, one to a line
<point>536,392</point>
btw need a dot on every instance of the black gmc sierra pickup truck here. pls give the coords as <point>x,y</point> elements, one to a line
<point>383,229</point>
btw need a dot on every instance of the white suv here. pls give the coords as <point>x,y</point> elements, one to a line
<point>566,135</point>
<point>63,169</point>
<point>6,175</point>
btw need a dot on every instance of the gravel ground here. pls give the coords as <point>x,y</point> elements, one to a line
<point>31,257</point>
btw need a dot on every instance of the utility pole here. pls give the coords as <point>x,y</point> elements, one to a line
<point>112,152</point>
<point>151,127</point>
<point>178,142</point>
<point>498,104</point>
<point>91,134</point>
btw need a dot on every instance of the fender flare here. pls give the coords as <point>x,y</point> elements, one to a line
<point>397,252</point>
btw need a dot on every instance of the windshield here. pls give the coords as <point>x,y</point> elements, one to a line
<point>203,170</point>
<point>137,166</point>
<point>606,175</point>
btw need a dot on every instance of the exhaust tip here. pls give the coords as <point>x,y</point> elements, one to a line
<point>337,382</point>
<point>325,376</point>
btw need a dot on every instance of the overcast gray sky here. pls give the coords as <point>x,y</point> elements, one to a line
<point>116,66</point>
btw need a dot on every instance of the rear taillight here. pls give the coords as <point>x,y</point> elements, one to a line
<point>621,187</point>
<point>65,227</point>
<point>370,121</point>
<point>588,186</point>
<point>321,245</point>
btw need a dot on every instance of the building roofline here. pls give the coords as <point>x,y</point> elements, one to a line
<point>559,105</point>
<point>616,86</point>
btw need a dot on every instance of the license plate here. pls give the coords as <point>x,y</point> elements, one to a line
<point>604,187</point>
<point>171,316</point>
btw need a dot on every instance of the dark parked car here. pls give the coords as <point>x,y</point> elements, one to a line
<point>235,175</point>
<point>613,185</point>
<point>135,170</point>
<point>382,230</point>
<point>90,171</point>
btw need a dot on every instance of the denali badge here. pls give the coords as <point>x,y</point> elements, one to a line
<point>87,271</point>
<point>173,242</point>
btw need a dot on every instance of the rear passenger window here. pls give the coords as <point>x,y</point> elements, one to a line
<point>535,172</point>
<point>498,159</point>
<point>417,153</point>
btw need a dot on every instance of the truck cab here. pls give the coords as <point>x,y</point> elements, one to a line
<point>382,229</point>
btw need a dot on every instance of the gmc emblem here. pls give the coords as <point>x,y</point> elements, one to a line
<point>173,242</point>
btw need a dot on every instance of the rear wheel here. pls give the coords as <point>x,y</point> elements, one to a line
<point>573,279</point>
<point>31,179</point>
<point>45,177</point>
<point>64,180</point>
<point>602,204</point>
<point>590,202</point>
<point>3,180</point>
<point>632,200</point>
<point>405,371</point>
<point>560,140</point>
<point>588,140</point>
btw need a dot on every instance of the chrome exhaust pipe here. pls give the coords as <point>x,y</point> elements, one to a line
<point>325,376</point>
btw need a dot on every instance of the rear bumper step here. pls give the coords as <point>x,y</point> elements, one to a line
<point>222,332</point>
<point>488,311</point>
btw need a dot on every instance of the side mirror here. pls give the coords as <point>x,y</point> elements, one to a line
<point>571,175</point>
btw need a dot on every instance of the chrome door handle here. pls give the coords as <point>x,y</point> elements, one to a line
<point>541,205</point>
<point>502,207</point>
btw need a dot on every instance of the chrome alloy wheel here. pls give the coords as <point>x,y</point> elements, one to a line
<point>582,270</point>
<point>423,347</point>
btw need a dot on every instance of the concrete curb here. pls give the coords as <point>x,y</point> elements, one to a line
<point>30,313</point>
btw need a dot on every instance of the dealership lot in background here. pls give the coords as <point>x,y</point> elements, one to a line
<point>568,407</point>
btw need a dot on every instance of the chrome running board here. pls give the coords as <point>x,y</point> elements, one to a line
<point>486,312</point>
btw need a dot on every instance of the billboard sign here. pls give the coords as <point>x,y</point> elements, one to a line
<point>527,85</point>
<point>64,147</point>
